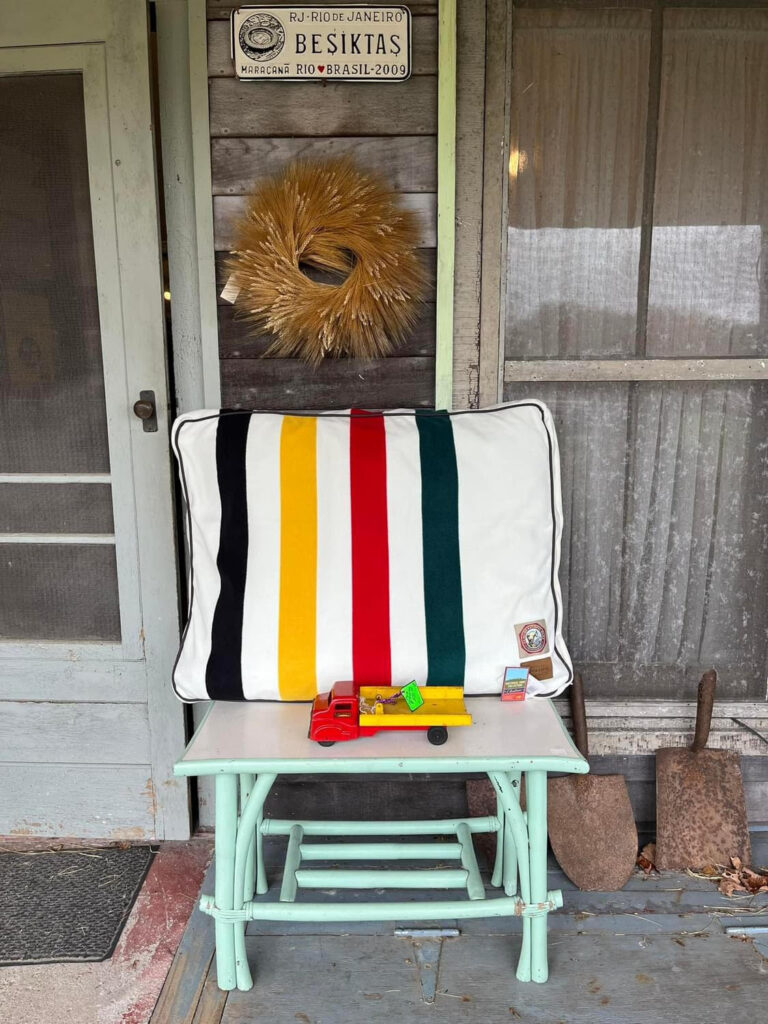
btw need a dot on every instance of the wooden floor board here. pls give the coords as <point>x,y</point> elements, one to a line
<point>212,1001</point>
<point>595,979</point>
<point>328,979</point>
<point>655,951</point>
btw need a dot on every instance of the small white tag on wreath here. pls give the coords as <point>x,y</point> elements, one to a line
<point>231,289</point>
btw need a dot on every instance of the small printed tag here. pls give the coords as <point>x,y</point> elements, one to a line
<point>541,668</point>
<point>412,695</point>
<point>532,637</point>
<point>231,289</point>
<point>515,683</point>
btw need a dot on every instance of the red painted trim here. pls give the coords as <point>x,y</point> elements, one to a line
<point>371,655</point>
<point>129,984</point>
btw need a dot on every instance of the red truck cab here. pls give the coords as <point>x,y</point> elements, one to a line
<point>335,715</point>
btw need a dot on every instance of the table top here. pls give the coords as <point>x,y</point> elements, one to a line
<point>272,736</point>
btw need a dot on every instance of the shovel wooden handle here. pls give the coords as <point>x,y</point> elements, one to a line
<point>705,701</point>
<point>578,715</point>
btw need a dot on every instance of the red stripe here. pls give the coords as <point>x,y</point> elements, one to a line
<point>371,657</point>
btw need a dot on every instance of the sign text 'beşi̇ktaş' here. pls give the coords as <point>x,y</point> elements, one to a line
<point>353,43</point>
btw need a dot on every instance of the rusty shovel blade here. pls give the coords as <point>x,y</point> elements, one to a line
<point>592,830</point>
<point>591,825</point>
<point>701,817</point>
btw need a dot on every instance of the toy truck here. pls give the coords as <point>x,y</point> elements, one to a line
<point>349,711</point>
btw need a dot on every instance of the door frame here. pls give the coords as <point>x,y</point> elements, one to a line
<point>182,59</point>
<point>107,40</point>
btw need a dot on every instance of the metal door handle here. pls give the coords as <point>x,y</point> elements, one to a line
<point>143,409</point>
<point>146,410</point>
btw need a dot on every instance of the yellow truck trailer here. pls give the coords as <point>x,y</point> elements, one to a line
<point>349,711</point>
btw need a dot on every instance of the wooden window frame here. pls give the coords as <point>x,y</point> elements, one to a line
<point>621,726</point>
<point>495,370</point>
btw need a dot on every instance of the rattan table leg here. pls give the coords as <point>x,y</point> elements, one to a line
<point>226,834</point>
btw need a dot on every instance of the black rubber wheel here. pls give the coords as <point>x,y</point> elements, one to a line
<point>437,735</point>
<point>326,743</point>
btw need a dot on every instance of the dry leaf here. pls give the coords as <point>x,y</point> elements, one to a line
<point>728,886</point>
<point>741,879</point>
<point>753,880</point>
<point>646,858</point>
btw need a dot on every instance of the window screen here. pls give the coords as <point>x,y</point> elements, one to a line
<point>638,211</point>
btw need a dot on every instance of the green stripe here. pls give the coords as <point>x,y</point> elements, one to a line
<point>440,537</point>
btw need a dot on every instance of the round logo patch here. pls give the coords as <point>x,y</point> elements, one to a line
<point>262,37</point>
<point>533,637</point>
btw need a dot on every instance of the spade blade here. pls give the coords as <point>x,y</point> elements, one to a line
<point>592,830</point>
<point>701,817</point>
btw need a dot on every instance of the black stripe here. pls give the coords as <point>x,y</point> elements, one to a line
<point>223,676</point>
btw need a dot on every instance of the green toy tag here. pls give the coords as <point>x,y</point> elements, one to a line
<point>412,695</point>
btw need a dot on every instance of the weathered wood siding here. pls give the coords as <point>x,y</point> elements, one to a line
<point>256,129</point>
<point>92,801</point>
<point>76,751</point>
<point>444,796</point>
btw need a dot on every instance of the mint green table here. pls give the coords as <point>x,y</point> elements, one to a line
<point>246,746</point>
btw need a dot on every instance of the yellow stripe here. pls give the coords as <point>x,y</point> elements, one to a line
<point>297,677</point>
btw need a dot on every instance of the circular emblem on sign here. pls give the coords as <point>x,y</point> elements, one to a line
<point>261,37</point>
<point>533,637</point>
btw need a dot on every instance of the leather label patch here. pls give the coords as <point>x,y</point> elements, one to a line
<point>540,669</point>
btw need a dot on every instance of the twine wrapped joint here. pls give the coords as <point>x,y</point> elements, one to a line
<point>333,218</point>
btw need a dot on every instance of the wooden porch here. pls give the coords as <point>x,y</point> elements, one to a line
<point>658,950</point>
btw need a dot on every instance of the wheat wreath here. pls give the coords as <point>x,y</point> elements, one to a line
<point>336,218</point>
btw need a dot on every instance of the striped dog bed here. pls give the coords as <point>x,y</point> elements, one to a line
<point>378,547</point>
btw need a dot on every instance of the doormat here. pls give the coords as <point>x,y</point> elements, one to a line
<point>61,906</point>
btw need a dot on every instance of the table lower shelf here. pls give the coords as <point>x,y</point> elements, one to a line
<point>296,877</point>
<point>395,851</point>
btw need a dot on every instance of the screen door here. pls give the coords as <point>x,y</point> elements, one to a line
<point>88,593</point>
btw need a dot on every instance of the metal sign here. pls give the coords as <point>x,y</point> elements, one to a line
<point>352,43</point>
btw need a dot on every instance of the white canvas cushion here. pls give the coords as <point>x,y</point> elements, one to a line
<point>379,547</point>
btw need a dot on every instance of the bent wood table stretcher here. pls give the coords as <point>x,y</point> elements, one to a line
<point>246,746</point>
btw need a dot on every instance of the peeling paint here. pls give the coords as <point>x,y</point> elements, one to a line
<point>132,834</point>
<point>151,795</point>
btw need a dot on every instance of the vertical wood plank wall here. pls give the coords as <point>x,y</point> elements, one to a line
<point>391,128</point>
<point>256,128</point>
